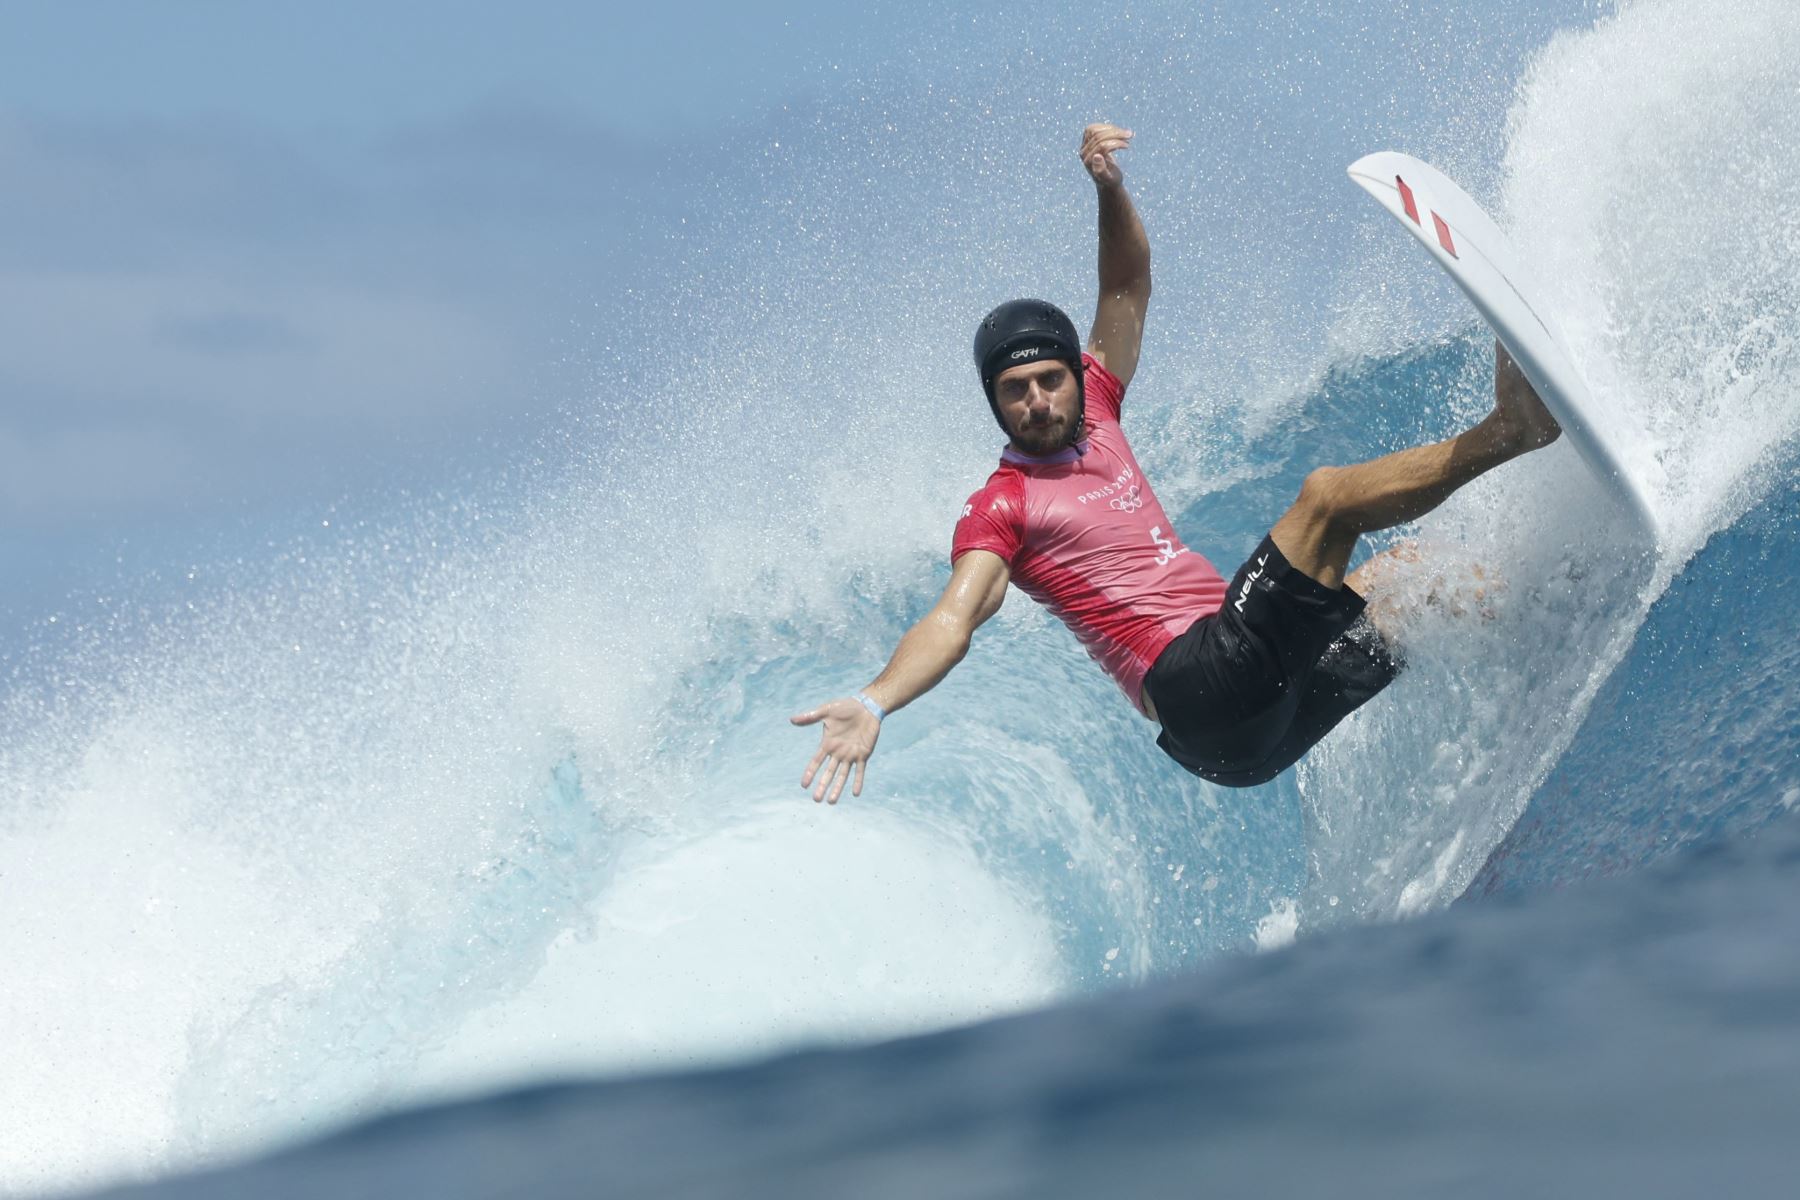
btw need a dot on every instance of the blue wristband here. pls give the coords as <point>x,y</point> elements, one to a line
<point>880,712</point>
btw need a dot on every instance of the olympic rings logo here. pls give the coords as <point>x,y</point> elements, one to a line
<point>1130,502</point>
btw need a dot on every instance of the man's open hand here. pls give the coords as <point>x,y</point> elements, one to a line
<point>845,745</point>
<point>1098,145</point>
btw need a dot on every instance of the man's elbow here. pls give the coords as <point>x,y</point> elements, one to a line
<point>954,635</point>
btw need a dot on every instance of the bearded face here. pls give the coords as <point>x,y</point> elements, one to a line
<point>1040,404</point>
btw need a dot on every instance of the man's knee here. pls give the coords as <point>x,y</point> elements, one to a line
<point>1321,499</point>
<point>1318,533</point>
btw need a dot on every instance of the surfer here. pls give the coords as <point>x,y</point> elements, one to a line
<point>1243,677</point>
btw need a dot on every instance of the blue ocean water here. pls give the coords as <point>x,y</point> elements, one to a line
<point>1693,739</point>
<point>443,798</point>
<point>1634,1037</point>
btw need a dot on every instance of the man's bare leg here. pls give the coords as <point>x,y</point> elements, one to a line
<point>1337,505</point>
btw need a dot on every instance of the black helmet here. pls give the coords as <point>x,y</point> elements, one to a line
<point>1024,331</point>
<point>1021,331</point>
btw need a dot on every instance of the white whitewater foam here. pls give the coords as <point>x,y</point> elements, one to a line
<point>797,925</point>
<point>1652,177</point>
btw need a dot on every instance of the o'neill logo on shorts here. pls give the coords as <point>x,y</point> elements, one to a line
<point>1244,592</point>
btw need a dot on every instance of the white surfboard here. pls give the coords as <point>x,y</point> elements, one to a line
<point>1470,247</point>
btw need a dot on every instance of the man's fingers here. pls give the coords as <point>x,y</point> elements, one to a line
<point>1110,136</point>
<point>824,776</point>
<point>830,773</point>
<point>808,718</point>
<point>862,768</point>
<point>1100,162</point>
<point>812,769</point>
<point>838,779</point>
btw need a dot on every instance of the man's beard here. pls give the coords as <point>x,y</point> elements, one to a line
<point>1046,439</point>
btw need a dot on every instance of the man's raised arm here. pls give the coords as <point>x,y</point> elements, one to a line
<point>1118,329</point>
<point>924,656</point>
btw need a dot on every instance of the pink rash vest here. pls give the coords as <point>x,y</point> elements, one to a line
<point>1086,538</point>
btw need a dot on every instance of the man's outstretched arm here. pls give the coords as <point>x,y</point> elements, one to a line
<point>1118,329</point>
<point>924,656</point>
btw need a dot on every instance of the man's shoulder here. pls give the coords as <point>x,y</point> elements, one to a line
<point>993,517</point>
<point>1006,487</point>
<point>1105,394</point>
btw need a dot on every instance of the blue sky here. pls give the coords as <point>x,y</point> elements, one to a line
<point>349,67</point>
<point>256,257</point>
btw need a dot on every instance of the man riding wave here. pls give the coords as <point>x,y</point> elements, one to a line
<point>1243,677</point>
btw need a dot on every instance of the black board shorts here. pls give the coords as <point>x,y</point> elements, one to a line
<point>1246,691</point>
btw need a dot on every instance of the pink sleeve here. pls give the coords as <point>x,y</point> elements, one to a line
<point>993,520</point>
<point>1105,394</point>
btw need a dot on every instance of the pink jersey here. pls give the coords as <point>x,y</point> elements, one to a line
<point>1087,539</point>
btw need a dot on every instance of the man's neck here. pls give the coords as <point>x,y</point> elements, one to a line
<point>1070,449</point>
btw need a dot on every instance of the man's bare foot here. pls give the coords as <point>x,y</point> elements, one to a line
<point>1397,588</point>
<point>1521,412</point>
